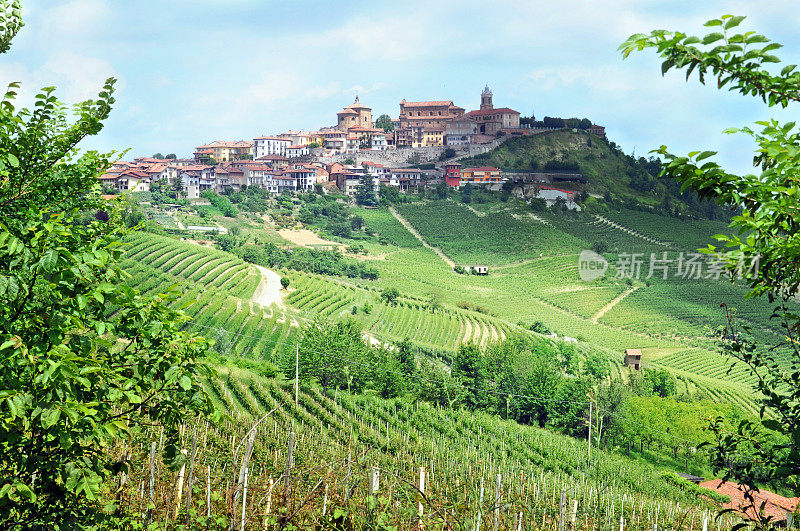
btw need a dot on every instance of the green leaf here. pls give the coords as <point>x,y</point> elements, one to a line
<point>13,161</point>
<point>185,382</point>
<point>705,155</point>
<point>733,22</point>
<point>713,37</point>
<point>49,260</point>
<point>49,417</point>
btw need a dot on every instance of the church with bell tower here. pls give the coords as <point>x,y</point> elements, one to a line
<point>486,99</point>
<point>491,121</point>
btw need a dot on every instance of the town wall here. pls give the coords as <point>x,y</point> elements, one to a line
<point>405,157</point>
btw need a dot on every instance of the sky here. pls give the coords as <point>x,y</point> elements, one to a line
<point>193,71</point>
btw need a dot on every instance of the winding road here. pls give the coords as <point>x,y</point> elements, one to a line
<point>268,290</point>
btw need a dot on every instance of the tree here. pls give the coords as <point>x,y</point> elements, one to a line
<point>285,282</point>
<point>171,156</point>
<point>384,121</point>
<point>405,355</point>
<point>332,354</point>
<point>390,295</point>
<point>158,156</point>
<point>86,362</point>
<point>767,234</point>
<point>356,222</point>
<point>466,193</point>
<point>469,366</point>
<point>365,192</point>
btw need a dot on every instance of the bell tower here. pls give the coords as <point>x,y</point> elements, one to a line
<point>486,99</point>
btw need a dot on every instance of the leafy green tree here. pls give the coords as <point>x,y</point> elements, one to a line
<point>466,193</point>
<point>365,191</point>
<point>356,222</point>
<point>158,156</point>
<point>541,378</point>
<point>569,412</point>
<point>332,354</point>
<point>171,156</point>
<point>222,342</point>
<point>767,233</point>
<point>285,282</point>
<point>390,295</point>
<point>437,386</point>
<point>388,379</point>
<point>86,362</point>
<point>441,190</point>
<point>405,356</point>
<point>384,121</point>
<point>469,366</point>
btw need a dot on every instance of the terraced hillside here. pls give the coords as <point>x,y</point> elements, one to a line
<point>216,290</point>
<point>477,468</point>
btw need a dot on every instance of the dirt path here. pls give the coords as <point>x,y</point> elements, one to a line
<point>602,311</point>
<point>418,236</point>
<point>268,290</point>
<point>306,238</point>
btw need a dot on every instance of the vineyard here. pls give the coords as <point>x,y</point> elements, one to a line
<point>357,460</point>
<point>493,239</point>
<point>216,290</point>
<point>408,318</point>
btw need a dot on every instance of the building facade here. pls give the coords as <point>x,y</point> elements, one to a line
<point>490,121</point>
<point>355,114</point>
<point>270,145</point>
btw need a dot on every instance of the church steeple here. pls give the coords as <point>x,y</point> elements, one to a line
<point>486,99</point>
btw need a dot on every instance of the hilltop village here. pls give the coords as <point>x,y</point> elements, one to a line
<point>416,150</point>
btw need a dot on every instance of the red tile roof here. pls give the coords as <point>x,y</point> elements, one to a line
<point>775,506</point>
<point>483,168</point>
<point>501,110</point>
<point>570,192</point>
<point>427,103</point>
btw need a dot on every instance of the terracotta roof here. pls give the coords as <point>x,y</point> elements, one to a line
<point>775,506</point>
<point>224,144</point>
<point>272,157</point>
<point>483,168</point>
<point>500,110</point>
<point>357,105</point>
<point>630,351</point>
<point>268,137</point>
<point>299,146</point>
<point>426,103</point>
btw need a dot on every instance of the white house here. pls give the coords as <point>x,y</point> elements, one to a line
<point>276,182</point>
<point>270,145</point>
<point>305,178</point>
<point>379,142</point>
<point>297,151</point>
<point>551,195</point>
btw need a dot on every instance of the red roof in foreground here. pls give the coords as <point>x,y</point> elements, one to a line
<point>570,192</point>
<point>776,505</point>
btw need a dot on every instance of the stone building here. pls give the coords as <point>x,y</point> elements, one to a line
<point>428,114</point>
<point>490,120</point>
<point>355,114</point>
